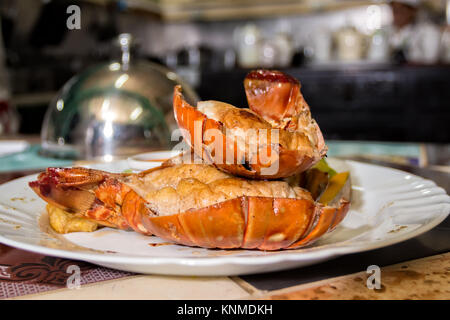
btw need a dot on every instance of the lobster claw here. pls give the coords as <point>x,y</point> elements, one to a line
<point>277,98</point>
<point>277,138</point>
<point>92,194</point>
<point>273,95</point>
<point>68,188</point>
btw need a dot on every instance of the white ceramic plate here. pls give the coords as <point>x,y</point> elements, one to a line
<point>150,160</point>
<point>388,206</point>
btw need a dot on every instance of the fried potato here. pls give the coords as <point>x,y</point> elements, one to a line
<point>64,222</point>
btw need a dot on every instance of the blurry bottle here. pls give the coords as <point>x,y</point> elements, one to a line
<point>378,47</point>
<point>284,42</point>
<point>285,49</point>
<point>9,120</point>
<point>321,44</point>
<point>275,52</point>
<point>350,44</point>
<point>247,41</point>
<point>445,45</point>
<point>268,53</point>
<point>445,40</point>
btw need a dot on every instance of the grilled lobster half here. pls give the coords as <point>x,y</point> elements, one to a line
<point>198,205</point>
<point>275,138</point>
<point>261,182</point>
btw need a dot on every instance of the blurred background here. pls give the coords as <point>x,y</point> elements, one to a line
<point>370,70</point>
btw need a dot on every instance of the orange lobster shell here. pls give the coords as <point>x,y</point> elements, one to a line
<point>249,222</point>
<point>199,205</point>
<point>276,104</point>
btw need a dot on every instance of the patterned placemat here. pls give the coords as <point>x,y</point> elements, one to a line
<point>23,272</point>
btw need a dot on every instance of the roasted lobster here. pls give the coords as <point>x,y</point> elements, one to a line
<point>275,138</point>
<point>260,182</point>
<point>195,205</point>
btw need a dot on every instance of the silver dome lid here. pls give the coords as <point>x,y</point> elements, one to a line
<point>113,110</point>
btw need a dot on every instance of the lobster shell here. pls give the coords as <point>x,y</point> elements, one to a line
<point>276,102</point>
<point>248,222</point>
<point>245,222</point>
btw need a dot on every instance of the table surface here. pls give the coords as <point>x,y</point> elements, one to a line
<point>418,268</point>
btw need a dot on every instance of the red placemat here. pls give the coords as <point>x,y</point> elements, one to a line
<point>23,272</point>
